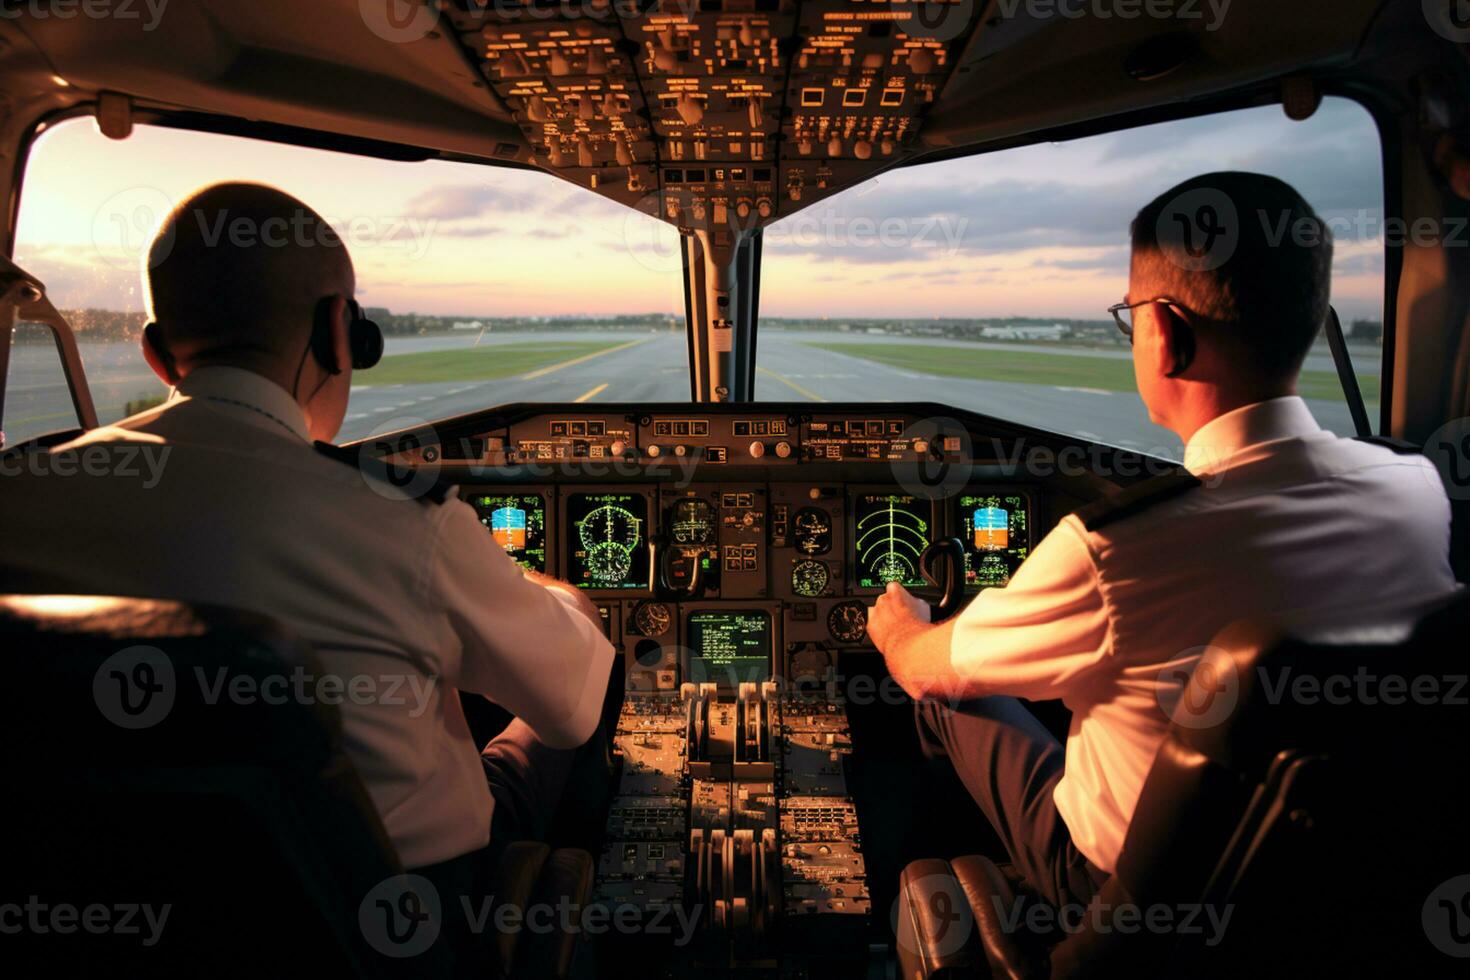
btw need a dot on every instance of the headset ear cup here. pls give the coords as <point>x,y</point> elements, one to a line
<point>321,338</point>
<point>366,340</point>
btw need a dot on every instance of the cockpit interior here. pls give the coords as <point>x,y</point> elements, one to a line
<point>731,313</point>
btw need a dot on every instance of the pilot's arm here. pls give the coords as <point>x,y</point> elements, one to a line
<point>532,648</point>
<point>1032,639</point>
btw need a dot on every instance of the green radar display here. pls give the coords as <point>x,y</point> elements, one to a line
<point>609,541</point>
<point>891,531</point>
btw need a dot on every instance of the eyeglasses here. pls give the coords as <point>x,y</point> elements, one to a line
<point>1123,313</point>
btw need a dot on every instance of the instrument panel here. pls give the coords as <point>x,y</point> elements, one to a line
<point>725,584</point>
<point>807,512</point>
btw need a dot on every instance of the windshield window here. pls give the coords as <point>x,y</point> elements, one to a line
<point>492,285</point>
<point>984,282</point>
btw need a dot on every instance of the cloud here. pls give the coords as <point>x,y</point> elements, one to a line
<point>455,202</point>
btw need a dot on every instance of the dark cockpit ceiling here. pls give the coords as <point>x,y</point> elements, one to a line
<point>696,110</point>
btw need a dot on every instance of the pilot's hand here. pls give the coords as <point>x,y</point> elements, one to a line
<point>896,614</point>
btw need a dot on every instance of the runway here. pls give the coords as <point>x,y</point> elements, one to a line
<point>648,368</point>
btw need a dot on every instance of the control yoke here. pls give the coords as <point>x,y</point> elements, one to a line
<point>943,566</point>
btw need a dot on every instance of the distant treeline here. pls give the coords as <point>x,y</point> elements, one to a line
<point>111,325</point>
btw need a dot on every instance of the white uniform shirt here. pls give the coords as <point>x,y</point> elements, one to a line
<point>241,511</point>
<point>1291,522</point>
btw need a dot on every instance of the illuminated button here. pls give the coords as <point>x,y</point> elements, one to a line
<point>757,449</point>
<point>655,451</point>
<point>681,451</point>
<point>619,447</point>
<point>783,450</point>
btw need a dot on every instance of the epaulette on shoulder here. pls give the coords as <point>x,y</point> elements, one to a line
<point>1399,446</point>
<point>403,478</point>
<point>1136,499</point>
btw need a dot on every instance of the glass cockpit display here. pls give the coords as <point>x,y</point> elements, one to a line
<point>727,648</point>
<point>518,524</point>
<point>996,530</point>
<point>890,533</point>
<point>608,541</point>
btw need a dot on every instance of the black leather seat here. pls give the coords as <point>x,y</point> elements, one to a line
<point>1308,802</point>
<point>138,783</point>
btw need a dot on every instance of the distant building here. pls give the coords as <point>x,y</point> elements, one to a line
<point>1054,332</point>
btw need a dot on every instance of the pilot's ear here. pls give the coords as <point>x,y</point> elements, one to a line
<point>341,333</point>
<point>1174,346</point>
<point>158,356</point>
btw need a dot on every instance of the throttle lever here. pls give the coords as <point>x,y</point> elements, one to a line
<point>943,566</point>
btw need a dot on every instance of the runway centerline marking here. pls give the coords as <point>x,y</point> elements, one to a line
<point>803,392</point>
<point>591,394</point>
<point>542,372</point>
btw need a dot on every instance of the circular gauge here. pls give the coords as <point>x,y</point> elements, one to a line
<point>809,578</point>
<point>608,525</point>
<point>693,522</point>
<point>848,622</point>
<point>608,563</point>
<point>813,531</point>
<point>652,618</point>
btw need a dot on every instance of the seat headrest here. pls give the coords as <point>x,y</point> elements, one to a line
<point>114,682</point>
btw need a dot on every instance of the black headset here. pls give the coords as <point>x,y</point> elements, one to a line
<point>364,338</point>
<point>364,341</point>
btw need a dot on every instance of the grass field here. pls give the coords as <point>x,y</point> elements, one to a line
<point>478,363</point>
<point>1061,370</point>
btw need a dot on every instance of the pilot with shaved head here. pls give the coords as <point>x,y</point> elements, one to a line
<point>257,333</point>
<point>1271,516</point>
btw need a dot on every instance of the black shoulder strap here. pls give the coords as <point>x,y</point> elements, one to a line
<point>1136,499</point>
<point>1399,446</point>
<point>402,477</point>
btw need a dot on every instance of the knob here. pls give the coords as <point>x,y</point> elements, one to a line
<point>804,147</point>
<point>783,450</point>
<point>665,60</point>
<point>619,447</point>
<point>794,192</point>
<point>834,146</point>
<point>623,153</point>
<point>584,153</point>
<point>536,109</point>
<point>874,59</point>
<point>681,451</point>
<point>747,36</point>
<point>922,61</point>
<point>763,207</point>
<point>757,450</point>
<point>862,149</point>
<point>742,209</point>
<point>585,108</point>
<point>921,446</point>
<point>655,451</point>
<point>610,105</point>
<point>558,155</point>
<point>559,64</point>
<point>757,114</point>
<point>886,147</point>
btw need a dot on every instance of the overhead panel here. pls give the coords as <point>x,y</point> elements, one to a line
<point>718,115</point>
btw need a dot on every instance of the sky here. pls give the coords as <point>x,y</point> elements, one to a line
<point>1039,231</point>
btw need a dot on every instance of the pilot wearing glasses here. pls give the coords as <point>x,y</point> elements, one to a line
<point>1271,516</point>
